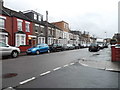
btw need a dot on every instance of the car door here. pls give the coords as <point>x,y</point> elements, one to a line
<point>46,47</point>
<point>42,48</point>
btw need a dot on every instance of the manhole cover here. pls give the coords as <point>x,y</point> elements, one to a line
<point>9,75</point>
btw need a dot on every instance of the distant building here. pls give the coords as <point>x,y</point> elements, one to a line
<point>117,37</point>
<point>64,26</point>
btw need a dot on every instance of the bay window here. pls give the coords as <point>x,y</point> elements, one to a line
<point>20,39</point>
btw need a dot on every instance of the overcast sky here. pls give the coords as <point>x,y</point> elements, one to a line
<point>93,16</point>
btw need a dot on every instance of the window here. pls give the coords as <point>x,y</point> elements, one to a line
<point>36,28</point>
<point>39,18</point>
<point>20,39</point>
<point>19,24</point>
<point>35,16</point>
<point>42,29</point>
<point>2,23</point>
<point>27,27</point>
<point>3,38</point>
<point>41,40</point>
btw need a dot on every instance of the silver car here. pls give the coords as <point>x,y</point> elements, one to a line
<point>6,50</point>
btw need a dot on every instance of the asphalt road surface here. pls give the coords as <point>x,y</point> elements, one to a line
<point>26,67</point>
<point>75,76</point>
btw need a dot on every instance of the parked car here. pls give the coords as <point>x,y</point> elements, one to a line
<point>70,46</point>
<point>37,49</point>
<point>56,47</point>
<point>94,47</point>
<point>7,50</point>
<point>65,47</point>
<point>105,45</point>
<point>83,45</point>
<point>101,44</point>
<point>76,46</point>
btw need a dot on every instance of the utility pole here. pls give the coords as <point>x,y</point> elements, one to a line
<point>46,40</point>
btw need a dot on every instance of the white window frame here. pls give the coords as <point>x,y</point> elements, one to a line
<point>5,35</point>
<point>27,25</point>
<point>39,18</point>
<point>19,24</point>
<point>41,40</point>
<point>42,28</point>
<point>3,18</point>
<point>35,16</point>
<point>20,39</point>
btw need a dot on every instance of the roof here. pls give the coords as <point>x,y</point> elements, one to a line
<point>12,13</point>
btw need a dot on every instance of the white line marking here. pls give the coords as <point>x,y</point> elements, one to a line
<point>10,87</point>
<point>110,69</point>
<point>27,80</point>
<point>57,68</point>
<point>45,73</point>
<point>66,65</point>
<point>83,64</point>
<point>71,63</point>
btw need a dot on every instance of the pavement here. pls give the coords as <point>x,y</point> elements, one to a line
<point>106,65</point>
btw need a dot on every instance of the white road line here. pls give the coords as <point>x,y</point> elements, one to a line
<point>109,69</point>
<point>57,68</point>
<point>45,73</point>
<point>66,65</point>
<point>71,63</point>
<point>83,64</point>
<point>27,80</point>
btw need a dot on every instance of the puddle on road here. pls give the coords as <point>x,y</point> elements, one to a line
<point>9,75</point>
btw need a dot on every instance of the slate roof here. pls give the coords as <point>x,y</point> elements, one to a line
<point>12,13</point>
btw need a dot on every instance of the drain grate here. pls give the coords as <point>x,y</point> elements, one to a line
<point>9,75</point>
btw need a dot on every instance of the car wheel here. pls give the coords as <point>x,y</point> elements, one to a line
<point>14,54</point>
<point>90,50</point>
<point>48,51</point>
<point>37,52</point>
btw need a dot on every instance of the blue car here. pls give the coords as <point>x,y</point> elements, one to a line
<point>39,48</point>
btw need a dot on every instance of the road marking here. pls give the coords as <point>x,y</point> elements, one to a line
<point>45,73</point>
<point>110,69</point>
<point>57,68</point>
<point>72,63</point>
<point>83,64</point>
<point>66,65</point>
<point>27,80</point>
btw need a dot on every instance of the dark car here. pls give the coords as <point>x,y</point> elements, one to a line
<point>94,47</point>
<point>56,47</point>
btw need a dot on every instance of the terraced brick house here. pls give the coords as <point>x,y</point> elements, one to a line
<point>16,26</point>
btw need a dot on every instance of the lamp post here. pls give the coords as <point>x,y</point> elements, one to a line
<point>46,41</point>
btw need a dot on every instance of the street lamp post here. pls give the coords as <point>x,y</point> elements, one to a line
<point>46,41</point>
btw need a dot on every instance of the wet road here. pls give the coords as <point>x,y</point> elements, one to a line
<point>33,65</point>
